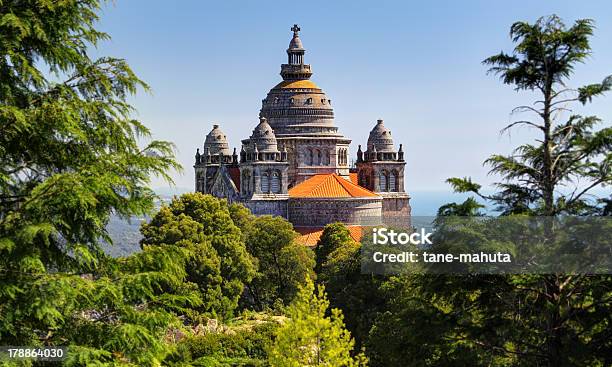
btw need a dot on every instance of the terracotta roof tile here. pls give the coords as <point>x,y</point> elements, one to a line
<point>353,177</point>
<point>296,84</point>
<point>309,236</point>
<point>329,186</point>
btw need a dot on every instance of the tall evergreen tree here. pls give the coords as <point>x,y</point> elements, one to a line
<point>72,155</point>
<point>531,319</point>
<point>558,174</point>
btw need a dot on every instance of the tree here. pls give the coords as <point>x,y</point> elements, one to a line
<point>220,264</point>
<point>70,157</point>
<point>557,175</point>
<point>283,265</point>
<point>334,236</point>
<point>339,260</point>
<point>309,337</point>
<point>569,154</point>
<point>242,218</point>
<point>530,319</point>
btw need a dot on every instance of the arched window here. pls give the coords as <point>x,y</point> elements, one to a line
<point>327,158</point>
<point>383,181</point>
<point>318,157</point>
<point>393,181</point>
<point>311,157</point>
<point>265,182</point>
<point>275,183</point>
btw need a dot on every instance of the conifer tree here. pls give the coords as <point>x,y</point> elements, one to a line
<point>310,337</point>
<point>72,155</point>
<point>571,158</point>
<point>555,319</point>
<point>339,270</point>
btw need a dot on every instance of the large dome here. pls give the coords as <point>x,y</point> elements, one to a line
<point>297,106</point>
<point>380,137</point>
<point>216,142</point>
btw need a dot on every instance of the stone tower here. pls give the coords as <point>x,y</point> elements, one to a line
<point>212,168</point>
<point>264,172</point>
<point>302,118</point>
<point>381,169</point>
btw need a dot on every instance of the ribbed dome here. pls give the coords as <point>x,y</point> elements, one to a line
<point>263,136</point>
<point>216,142</point>
<point>297,106</point>
<point>380,137</point>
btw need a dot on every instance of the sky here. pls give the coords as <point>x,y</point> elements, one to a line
<point>417,65</point>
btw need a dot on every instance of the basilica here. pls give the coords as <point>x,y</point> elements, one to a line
<point>296,164</point>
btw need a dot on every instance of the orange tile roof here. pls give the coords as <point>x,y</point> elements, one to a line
<point>296,84</point>
<point>353,177</point>
<point>309,236</point>
<point>329,186</point>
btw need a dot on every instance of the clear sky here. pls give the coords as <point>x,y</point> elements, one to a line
<point>415,64</point>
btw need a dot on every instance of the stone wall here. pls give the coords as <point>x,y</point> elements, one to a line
<point>396,210</point>
<point>268,207</point>
<point>318,212</point>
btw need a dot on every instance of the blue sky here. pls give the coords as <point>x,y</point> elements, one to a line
<point>417,65</point>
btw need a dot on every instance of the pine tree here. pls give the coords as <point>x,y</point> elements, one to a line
<point>310,338</point>
<point>558,174</point>
<point>555,319</point>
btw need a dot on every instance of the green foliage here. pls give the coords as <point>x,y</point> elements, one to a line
<point>242,218</point>
<point>469,208</point>
<point>334,236</point>
<point>283,264</point>
<point>310,338</point>
<point>484,320</point>
<point>355,293</point>
<point>71,155</point>
<point>530,319</point>
<point>557,175</point>
<point>241,347</point>
<point>220,264</point>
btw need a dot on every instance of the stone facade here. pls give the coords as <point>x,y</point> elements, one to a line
<point>317,212</point>
<point>295,141</point>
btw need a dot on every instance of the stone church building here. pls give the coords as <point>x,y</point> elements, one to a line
<point>296,163</point>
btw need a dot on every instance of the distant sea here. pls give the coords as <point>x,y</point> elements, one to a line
<point>126,234</point>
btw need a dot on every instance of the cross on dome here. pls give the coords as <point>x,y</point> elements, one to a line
<point>295,29</point>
